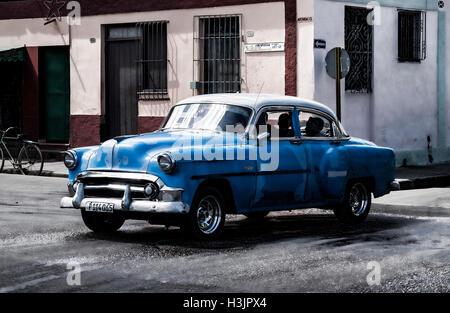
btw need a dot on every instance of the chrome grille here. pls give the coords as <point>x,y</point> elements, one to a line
<point>113,184</point>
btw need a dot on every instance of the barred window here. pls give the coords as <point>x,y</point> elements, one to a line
<point>358,43</point>
<point>411,36</point>
<point>152,60</point>
<point>219,53</point>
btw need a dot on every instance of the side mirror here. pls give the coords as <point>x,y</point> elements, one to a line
<point>263,136</point>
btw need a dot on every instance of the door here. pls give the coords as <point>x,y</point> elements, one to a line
<point>282,166</point>
<point>121,107</point>
<point>54,74</point>
<point>325,148</point>
<point>10,95</point>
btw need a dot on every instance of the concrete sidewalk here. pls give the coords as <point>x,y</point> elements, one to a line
<point>54,169</point>
<point>431,202</point>
<point>418,177</point>
<point>411,177</point>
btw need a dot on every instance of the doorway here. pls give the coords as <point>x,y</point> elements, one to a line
<point>54,85</point>
<point>121,54</point>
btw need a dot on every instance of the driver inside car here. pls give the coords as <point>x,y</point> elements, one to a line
<point>314,127</point>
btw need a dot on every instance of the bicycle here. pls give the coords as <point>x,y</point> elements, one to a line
<point>29,160</point>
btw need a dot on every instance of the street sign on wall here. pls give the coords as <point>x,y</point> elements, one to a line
<point>320,44</point>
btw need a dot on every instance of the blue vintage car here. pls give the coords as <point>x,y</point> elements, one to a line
<point>226,154</point>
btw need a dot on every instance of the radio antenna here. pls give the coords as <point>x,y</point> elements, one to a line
<point>257,97</point>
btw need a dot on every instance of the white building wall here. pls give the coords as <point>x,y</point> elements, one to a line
<point>305,49</point>
<point>401,111</point>
<point>405,94</point>
<point>260,71</point>
<point>32,32</point>
<point>447,66</point>
<point>264,70</point>
<point>329,26</point>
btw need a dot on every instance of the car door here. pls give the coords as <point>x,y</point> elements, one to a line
<point>325,149</point>
<point>281,161</point>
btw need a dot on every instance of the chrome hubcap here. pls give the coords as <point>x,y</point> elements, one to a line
<point>209,214</point>
<point>358,199</point>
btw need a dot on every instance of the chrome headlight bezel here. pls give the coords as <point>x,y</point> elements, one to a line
<point>70,159</point>
<point>166,163</point>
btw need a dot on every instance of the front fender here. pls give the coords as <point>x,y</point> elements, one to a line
<point>188,174</point>
<point>83,156</point>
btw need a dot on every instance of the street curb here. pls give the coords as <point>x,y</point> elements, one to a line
<point>424,182</point>
<point>411,210</point>
<point>44,173</point>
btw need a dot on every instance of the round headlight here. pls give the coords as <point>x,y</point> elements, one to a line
<point>166,163</point>
<point>70,159</point>
<point>151,190</point>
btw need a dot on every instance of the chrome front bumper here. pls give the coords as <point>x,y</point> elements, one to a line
<point>168,202</point>
<point>135,206</point>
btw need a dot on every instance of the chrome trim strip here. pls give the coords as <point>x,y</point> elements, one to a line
<point>119,175</point>
<point>115,187</point>
<point>335,139</point>
<point>171,189</point>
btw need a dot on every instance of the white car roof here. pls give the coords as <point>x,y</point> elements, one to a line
<point>256,101</point>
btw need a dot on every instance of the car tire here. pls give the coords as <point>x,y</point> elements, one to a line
<point>101,222</point>
<point>257,215</point>
<point>356,206</point>
<point>206,216</point>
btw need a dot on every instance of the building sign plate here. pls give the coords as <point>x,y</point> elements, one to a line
<point>264,47</point>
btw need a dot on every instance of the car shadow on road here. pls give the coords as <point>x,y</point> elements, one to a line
<point>243,233</point>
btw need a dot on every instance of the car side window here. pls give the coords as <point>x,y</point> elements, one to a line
<point>278,123</point>
<point>315,125</point>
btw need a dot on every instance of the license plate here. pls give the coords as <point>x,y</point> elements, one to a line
<point>102,207</point>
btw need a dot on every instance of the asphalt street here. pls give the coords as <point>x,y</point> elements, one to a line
<point>406,238</point>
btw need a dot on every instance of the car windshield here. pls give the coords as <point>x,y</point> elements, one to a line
<point>209,116</point>
<point>344,132</point>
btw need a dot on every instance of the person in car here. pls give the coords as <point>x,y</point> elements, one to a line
<point>314,127</point>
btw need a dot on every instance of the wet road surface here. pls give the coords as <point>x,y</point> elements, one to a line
<point>299,251</point>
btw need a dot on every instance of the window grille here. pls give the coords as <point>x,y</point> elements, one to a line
<point>218,58</point>
<point>152,62</point>
<point>411,36</point>
<point>359,45</point>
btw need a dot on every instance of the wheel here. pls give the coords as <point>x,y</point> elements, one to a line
<point>256,215</point>
<point>207,214</point>
<point>101,222</point>
<point>30,160</point>
<point>356,204</point>
<point>2,160</point>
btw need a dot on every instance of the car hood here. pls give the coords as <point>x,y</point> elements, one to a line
<point>133,153</point>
